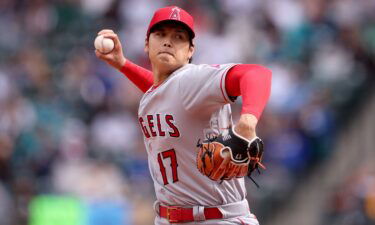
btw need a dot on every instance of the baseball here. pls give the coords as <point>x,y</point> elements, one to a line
<point>104,45</point>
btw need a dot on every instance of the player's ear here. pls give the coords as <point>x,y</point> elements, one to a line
<point>191,52</point>
<point>146,49</point>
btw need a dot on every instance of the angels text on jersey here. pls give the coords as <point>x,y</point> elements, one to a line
<point>158,125</point>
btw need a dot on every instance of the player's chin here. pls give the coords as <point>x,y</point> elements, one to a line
<point>166,60</point>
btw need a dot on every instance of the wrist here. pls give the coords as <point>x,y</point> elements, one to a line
<point>122,64</point>
<point>246,126</point>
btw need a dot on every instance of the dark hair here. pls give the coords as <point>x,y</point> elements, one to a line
<point>191,44</point>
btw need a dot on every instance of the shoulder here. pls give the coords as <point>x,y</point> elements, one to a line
<point>206,68</point>
<point>215,66</point>
<point>252,68</point>
<point>256,67</point>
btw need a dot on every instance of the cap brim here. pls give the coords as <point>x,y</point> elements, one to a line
<point>189,30</point>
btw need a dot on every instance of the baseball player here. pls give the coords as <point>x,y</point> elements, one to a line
<point>197,157</point>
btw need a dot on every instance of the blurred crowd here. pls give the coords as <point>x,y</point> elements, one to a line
<point>68,125</point>
<point>353,202</point>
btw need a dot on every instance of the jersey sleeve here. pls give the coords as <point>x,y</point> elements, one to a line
<point>202,87</point>
<point>141,77</point>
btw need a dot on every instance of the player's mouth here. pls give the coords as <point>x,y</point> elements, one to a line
<point>165,52</point>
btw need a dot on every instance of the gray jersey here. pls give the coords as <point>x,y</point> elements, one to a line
<point>190,104</point>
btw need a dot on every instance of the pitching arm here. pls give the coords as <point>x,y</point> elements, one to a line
<point>138,75</point>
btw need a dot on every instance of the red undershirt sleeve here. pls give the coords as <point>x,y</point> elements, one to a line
<point>140,76</point>
<point>253,83</point>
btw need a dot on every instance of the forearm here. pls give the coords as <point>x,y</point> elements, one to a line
<point>253,83</point>
<point>138,75</point>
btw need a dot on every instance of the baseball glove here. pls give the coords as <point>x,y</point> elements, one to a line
<point>229,155</point>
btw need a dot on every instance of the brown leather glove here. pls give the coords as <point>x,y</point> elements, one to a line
<point>229,155</point>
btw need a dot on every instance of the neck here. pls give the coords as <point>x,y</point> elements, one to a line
<point>161,74</point>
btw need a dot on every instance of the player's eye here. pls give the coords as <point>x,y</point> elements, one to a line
<point>179,37</point>
<point>159,34</point>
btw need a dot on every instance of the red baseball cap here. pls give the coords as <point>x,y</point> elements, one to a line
<point>172,13</point>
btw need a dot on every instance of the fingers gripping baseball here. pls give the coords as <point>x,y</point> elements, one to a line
<point>115,57</point>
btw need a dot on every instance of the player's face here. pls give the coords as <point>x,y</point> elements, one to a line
<point>169,46</point>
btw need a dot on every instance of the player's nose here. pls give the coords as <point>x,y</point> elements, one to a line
<point>167,44</point>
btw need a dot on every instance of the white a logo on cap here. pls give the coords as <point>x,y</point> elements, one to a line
<point>175,15</point>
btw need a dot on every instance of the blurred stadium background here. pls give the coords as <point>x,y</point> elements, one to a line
<point>71,152</point>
